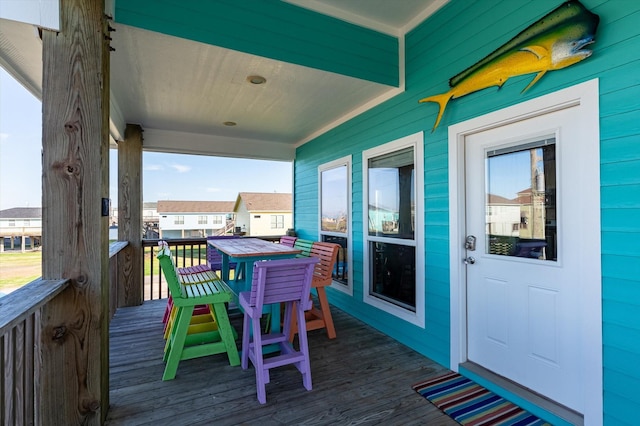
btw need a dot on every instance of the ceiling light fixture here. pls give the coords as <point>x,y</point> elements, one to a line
<point>229,123</point>
<point>256,79</point>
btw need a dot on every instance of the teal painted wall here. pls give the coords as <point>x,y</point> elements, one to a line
<point>272,29</point>
<point>453,39</point>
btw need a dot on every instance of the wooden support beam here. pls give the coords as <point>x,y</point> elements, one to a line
<point>130,268</point>
<point>74,386</point>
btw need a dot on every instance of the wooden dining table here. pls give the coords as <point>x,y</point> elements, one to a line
<point>244,252</point>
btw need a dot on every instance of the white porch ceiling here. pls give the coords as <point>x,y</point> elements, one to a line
<point>181,92</point>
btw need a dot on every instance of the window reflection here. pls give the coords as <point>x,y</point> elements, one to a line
<point>394,273</point>
<point>521,201</point>
<point>341,270</point>
<point>392,194</point>
<point>335,213</point>
<point>333,202</point>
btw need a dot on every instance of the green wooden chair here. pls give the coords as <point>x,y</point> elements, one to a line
<point>304,246</point>
<point>183,345</point>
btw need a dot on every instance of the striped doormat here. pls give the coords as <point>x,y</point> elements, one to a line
<point>472,405</point>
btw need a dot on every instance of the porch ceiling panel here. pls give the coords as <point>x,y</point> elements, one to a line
<point>272,29</point>
<point>180,69</point>
<point>170,83</point>
<point>21,54</point>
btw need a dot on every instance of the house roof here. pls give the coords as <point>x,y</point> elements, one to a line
<point>168,206</point>
<point>22,213</point>
<point>265,201</point>
<point>497,199</point>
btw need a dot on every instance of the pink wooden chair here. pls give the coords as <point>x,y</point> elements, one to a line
<point>287,240</point>
<point>285,281</point>
<point>214,257</point>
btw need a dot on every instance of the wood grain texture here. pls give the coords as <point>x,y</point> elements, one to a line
<point>130,288</point>
<point>362,377</point>
<point>75,101</point>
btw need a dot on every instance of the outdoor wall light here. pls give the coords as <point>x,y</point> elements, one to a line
<point>229,123</point>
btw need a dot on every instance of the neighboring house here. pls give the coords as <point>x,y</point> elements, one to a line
<point>20,225</point>
<point>150,220</point>
<point>503,216</point>
<point>185,219</point>
<point>263,214</point>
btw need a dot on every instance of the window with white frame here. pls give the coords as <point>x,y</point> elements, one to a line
<point>217,220</point>
<point>277,221</point>
<point>393,222</point>
<point>202,220</point>
<point>334,193</point>
<point>178,220</point>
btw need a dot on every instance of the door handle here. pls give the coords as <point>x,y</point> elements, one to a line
<point>469,260</point>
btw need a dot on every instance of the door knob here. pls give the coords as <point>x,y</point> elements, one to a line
<point>469,260</point>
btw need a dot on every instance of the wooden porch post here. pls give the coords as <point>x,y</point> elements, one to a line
<point>130,277</point>
<point>74,341</point>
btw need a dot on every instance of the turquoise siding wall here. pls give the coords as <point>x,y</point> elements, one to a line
<point>456,37</point>
<point>273,29</point>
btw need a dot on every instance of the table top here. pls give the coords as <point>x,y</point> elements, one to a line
<point>249,247</point>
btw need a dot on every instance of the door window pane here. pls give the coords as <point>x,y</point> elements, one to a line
<point>521,201</point>
<point>392,194</point>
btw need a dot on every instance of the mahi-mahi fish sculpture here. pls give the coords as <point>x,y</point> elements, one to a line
<point>554,42</point>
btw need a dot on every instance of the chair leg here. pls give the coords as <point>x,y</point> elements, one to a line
<point>326,312</point>
<point>176,341</point>
<point>219,311</point>
<point>246,334</point>
<point>255,349</point>
<point>293,330</point>
<point>304,365</point>
<point>289,321</point>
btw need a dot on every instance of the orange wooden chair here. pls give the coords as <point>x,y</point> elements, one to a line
<point>320,317</point>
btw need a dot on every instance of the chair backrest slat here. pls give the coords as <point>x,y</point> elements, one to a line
<point>169,270</point>
<point>304,246</point>
<point>328,255</point>
<point>282,280</point>
<point>288,241</point>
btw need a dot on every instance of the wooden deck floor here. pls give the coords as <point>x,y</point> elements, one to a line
<point>361,378</point>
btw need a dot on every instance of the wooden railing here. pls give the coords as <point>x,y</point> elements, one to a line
<point>20,346</point>
<point>114,256</point>
<point>186,252</point>
<point>21,328</point>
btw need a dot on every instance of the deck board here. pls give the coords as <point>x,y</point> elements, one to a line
<point>361,378</point>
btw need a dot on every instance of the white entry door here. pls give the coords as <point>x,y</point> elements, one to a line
<point>525,209</point>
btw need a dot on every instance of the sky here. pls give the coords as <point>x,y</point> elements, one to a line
<point>164,177</point>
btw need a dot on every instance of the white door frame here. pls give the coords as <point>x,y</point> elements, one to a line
<point>584,96</point>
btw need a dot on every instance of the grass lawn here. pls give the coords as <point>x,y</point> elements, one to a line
<point>18,269</point>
